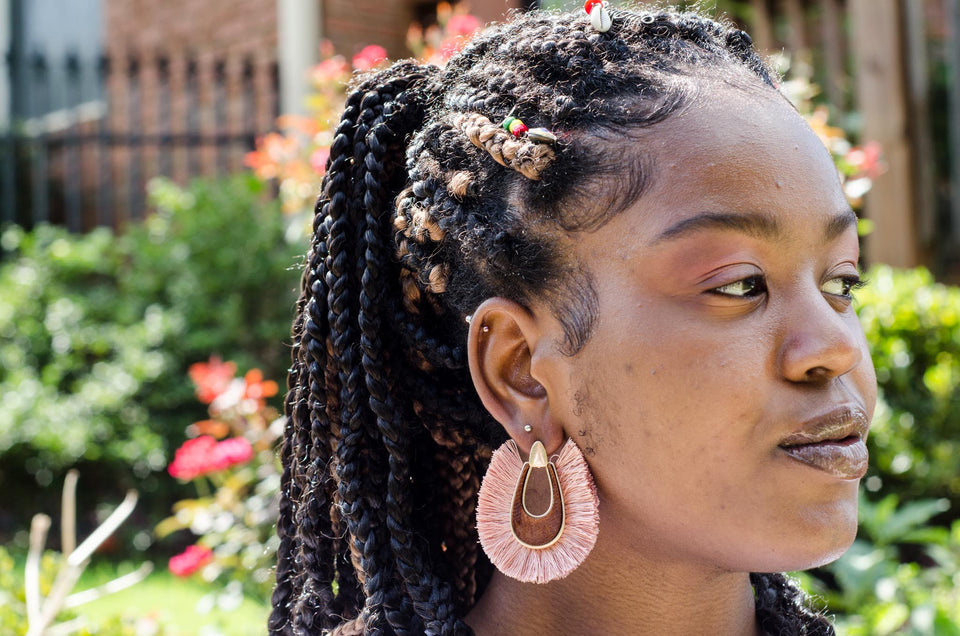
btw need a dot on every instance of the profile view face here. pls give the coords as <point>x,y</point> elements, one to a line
<point>724,395</point>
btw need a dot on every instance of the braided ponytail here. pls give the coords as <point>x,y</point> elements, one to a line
<point>782,610</point>
<point>428,207</point>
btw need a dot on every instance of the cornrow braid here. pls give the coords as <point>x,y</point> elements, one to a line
<point>427,208</point>
<point>526,157</point>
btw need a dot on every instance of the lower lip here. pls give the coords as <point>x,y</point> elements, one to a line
<point>846,459</point>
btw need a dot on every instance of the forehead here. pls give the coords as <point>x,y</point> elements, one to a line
<point>735,150</point>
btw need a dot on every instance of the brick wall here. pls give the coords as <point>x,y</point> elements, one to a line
<point>217,26</point>
<point>197,63</point>
<point>250,26</point>
<point>186,68</point>
<point>353,24</point>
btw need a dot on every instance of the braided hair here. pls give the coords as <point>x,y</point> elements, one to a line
<point>428,207</point>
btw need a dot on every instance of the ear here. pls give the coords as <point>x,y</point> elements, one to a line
<point>502,338</point>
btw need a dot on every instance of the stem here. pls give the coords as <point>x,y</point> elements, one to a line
<point>203,486</point>
<point>68,521</point>
<point>117,584</point>
<point>38,537</point>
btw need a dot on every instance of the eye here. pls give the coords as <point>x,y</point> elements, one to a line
<point>748,287</point>
<point>843,286</point>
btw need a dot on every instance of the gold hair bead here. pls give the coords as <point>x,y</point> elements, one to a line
<point>541,135</point>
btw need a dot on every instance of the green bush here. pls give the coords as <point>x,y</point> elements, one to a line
<point>97,330</point>
<point>902,574</point>
<point>913,327</point>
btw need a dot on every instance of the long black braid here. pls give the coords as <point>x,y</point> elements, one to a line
<point>427,209</point>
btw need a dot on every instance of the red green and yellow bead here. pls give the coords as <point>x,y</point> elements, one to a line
<point>514,126</point>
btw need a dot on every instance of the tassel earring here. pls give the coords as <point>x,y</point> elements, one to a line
<point>541,547</point>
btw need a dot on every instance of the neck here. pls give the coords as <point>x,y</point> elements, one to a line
<point>620,592</point>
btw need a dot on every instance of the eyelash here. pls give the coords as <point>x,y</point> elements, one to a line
<point>758,285</point>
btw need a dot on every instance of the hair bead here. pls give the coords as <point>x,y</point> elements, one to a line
<point>541,135</point>
<point>599,16</point>
<point>517,128</point>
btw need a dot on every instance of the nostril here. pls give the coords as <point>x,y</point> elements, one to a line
<point>818,374</point>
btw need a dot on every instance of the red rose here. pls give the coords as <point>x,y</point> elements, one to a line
<point>196,457</point>
<point>235,450</point>
<point>463,24</point>
<point>369,57</point>
<point>190,560</point>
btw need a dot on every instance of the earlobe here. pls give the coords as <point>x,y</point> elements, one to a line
<point>502,337</point>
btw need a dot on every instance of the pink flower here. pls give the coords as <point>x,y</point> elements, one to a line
<point>195,457</point>
<point>203,455</point>
<point>190,560</point>
<point>450,47</point>
<point>463,24</point>
<point>868,159</point>
<point>369,57</point>
<point>211,378</point>
<point>318,160</point>
<point>235,450</point>
<point>333,69</point>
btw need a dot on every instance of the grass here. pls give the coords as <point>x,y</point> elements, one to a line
<point>174,603</point>
<point>170,602</point>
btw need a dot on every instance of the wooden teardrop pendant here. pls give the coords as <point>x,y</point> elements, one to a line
<point>537,531</point>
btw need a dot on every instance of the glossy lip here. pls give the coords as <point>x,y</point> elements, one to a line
<point>834,442</point>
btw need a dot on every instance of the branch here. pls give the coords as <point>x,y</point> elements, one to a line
<point>104,530</point>
<point>77,561</point>
<point>68,513</point>
<point>117,584</point>
<point>38,537</point>
<point>68,627</point>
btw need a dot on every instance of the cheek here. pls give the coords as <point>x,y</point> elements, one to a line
<point>676,423</point>
<point>867,377</point>
<point>862,379</point>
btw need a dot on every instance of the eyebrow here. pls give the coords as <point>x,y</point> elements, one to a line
<point>751,223</point>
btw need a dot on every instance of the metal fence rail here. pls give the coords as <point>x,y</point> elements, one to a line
<point>86,135</point>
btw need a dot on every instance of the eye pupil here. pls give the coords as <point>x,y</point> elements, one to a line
<point>842,286</point>
<point>743,288</point>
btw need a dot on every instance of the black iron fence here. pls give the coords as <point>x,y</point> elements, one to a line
<point>83,136</point>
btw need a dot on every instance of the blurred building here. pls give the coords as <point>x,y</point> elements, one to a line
<point>98,96</point>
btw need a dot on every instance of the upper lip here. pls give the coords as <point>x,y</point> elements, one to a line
<point>834,425</point>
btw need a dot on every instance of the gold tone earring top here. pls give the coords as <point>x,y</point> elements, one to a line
<point>531,530</point>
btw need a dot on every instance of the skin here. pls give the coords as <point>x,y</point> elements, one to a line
<point>725,324</point>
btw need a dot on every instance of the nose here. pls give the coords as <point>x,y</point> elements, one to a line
<point>819,342</point>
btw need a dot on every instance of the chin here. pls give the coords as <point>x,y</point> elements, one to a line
<point>819,538</point>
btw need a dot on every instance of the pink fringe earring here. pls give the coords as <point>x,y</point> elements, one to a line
<point>537,548</point>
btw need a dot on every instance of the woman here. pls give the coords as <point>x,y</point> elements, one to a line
<point>610,229</point>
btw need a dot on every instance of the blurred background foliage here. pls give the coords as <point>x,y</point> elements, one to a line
<point>902,575</point>
<point>98,331</point>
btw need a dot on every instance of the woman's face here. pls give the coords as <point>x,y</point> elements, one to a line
<point>726,342</point>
